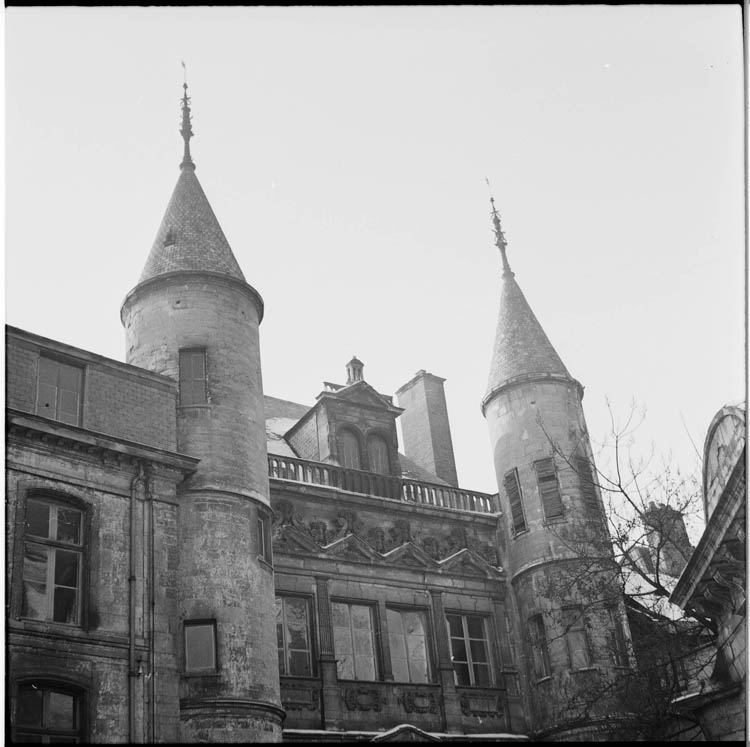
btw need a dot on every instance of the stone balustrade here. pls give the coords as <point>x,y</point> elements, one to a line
<point>384,486</point>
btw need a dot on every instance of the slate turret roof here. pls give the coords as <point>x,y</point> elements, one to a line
<point>190,237</point>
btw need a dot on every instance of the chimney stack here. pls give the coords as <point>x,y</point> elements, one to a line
<point>668,537</point>
<point>425,426</point>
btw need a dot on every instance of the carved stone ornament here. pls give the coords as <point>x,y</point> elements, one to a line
<point>296,697</point>
<point>482,704</point>
<point>419,701</point>
<point>363,699</point>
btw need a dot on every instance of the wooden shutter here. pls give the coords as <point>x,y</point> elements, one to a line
<point>549,490</point>
<point>586,479</point>
<point>513,490</point>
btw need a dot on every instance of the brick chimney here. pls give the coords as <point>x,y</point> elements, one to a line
<point>668,537</point>
<point>425,427</point>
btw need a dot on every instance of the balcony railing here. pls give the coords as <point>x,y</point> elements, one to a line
<point>385,486</point>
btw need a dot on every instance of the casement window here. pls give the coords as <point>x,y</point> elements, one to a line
<point>407,636</point>
<point>200,646</point>
<point>586,480</point>
<point>470,651</point>
<point>617,645</point>
<point>354,641</point>
<point>513,491</point>
<point>576,640</point>
<point>549,489</point>
<point>48,713</point>
<point>293,636</point>
<point>349,449</point>
<point>264,538</point>
<point>59,390</point>
<point>53,556</point>
<point>377,452</point>
<point>193,389</point>
<point>539,650</point>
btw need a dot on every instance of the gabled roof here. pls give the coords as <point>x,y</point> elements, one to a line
<point>521,346</point>
<point>190,237</point>
<point>361,393</point>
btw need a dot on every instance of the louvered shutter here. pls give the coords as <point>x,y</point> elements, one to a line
<point>549,490</point>
<point>513,490</point>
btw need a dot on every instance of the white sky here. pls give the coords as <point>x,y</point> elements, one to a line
<point>344,151</point>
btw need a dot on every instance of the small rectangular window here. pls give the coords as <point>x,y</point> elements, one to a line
<point>549,490</point>
<point>48,713</point>
<point>407,636</point>
<point>513,491</point>
<point>193,377</point>
<point>293,636</point>
<point>354,641</point>
<point>617,645</point>
<point>59,390</point>
<point>200,646</point>
<point>539,651</point>
<point>470,650</point>
<point>576,640</point>
<point>264,538</point>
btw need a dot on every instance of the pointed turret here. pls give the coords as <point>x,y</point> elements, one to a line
<point>522,348</point>
<point>190,237</point>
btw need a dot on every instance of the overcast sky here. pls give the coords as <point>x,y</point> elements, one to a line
<point>345,150</point>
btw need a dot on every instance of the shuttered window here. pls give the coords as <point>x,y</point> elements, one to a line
<point>539,651</point>
<point>193,377</point>
<point>586,479</point>
<point>549,490</point>
<point>576,639</point>
<point>513,491</point>
<point>377,451</point>
<point>349,449</point>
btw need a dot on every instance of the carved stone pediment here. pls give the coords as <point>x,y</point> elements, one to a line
<point>352,547</point>
<point>290,539</point>
<point>468,563</point>
<point>410,555</point>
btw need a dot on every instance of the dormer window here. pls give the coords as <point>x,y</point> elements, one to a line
<point>349,454</point>
<point>377,453</point>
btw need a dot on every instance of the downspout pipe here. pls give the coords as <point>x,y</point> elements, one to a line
<point>137,481</point>
<point>152,606</point>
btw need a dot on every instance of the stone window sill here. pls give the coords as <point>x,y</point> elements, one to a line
<point>548,678</point>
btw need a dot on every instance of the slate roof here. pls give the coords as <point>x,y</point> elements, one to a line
<point>521,345</point>
<point>190,237</point>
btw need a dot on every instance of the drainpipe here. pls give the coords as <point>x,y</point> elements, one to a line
<point>132,672</point>
<point>152,606</point>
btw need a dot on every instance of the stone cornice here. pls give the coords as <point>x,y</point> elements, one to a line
<point>36,428</point>
<point>529,378</point>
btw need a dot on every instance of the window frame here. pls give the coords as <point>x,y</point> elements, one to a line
<point>470,663</point>
<point>183,380</point>
<point>374,635</point>
<point>263,538</point>
<point>374,437</point>
<point>539,645</point>
<point>617,641</point>
<point>573,631</point>
<point>350,430</point>
<point>311,650</point>
<point>548,485</point>
<point>428,642</point>
<point>200,623</point>
<point>59,360</point>
<point>511,478</point>
<point>57,500</point>
<point>79,734</point>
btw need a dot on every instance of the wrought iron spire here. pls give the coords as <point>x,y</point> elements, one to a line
<point>186,131</point>
<point>500,241</point>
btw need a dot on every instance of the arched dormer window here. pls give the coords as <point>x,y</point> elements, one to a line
<point>377,453</point>
<point>349,454</point>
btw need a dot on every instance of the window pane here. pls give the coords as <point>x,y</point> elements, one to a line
<point>482,675</point>
<point>69,378</point>
<point>67,407</point>
<point>46,402</point>
<point>475,627</point>
<point>297,638</point>
<point>362,642</point>
<point>199,648</point>
<point>364,667</point>
<point>299,663</point>
<point>340,614</point>
<point>400,668</point>
<point>360,616</point>
<point>462,674</point>
<point>61,711</point>
<point>478,651</point>
<point>34,603</point>
<point>455,626</point>
<point>66,607</point>
<point>342,641</point>
<point>37,518</point>
<point>418,670</point>
<point>345,666</point>
<point>459,649</point>
<point>394,622</point>
<point>66,568</point>
<point>416,648</point>
<point>30,704</point>
<point>413,623</point>
<point>35,563</point>
<point>68,525</point>
<point>48,371</point>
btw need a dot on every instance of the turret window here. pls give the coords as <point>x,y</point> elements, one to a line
<point>539,651</point>
<point>549,489</point>
<point>513,491</point>
<point>586,479</point>
<point>193,390</point>
<point>200,646</point>
<point>576,639</point>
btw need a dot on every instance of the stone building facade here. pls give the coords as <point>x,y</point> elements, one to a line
<point>190,559</point>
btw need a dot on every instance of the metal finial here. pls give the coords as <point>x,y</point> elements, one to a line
<point>186,130</point>
<point>500,241</point>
